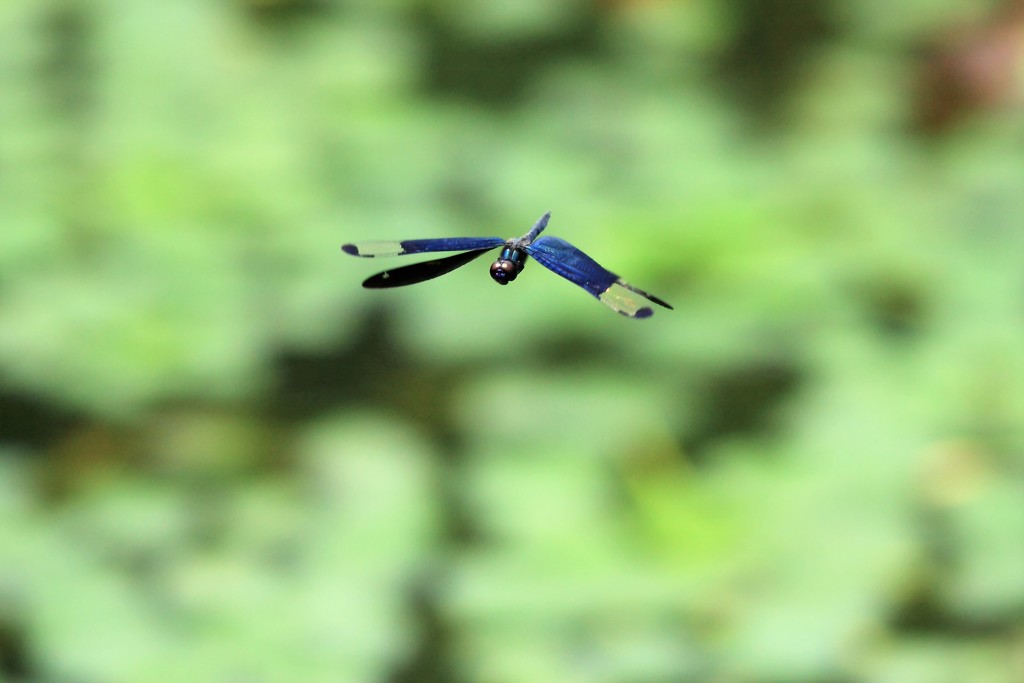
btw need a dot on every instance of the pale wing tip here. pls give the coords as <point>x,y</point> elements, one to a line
<point>626,300</point>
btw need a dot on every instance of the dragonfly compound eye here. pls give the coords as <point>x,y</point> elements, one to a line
<point>504,271</point>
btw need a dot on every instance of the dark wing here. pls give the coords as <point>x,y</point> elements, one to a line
<point>371,249</point>
<point>562,258</point>
<point>420,272</point>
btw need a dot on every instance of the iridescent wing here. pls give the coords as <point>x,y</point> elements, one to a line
<point>373,249</point>
<point>562,258</point>
<point>420,272</point>
<point>428,270</point>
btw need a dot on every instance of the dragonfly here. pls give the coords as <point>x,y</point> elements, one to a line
<point>553,253</point>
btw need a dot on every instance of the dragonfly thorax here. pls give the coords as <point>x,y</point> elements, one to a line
<point>509,264</point>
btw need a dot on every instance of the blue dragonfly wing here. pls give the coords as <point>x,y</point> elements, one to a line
<point>421,272</point>
<point>564,259</point>
<point>373,249</point>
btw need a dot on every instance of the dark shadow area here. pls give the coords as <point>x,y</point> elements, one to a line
<point>431,661</point>
<point>15,663</point>
<point>568,350</point>
<point>895,308</point>
<point>68,65</point>
<point>492,72</point>
<point>283,12</point>
<point>741,401</point>
<point>34,423</point>
<point>922,610</point>
<point>374,373</point>
<point>773,41</point>
<point>368,372</point>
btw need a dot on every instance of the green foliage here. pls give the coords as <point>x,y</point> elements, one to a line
<point>221,459</point>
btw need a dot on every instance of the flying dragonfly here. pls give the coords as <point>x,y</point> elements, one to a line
<point>553,253</point>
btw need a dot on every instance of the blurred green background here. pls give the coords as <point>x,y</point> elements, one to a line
<point>223,460</point>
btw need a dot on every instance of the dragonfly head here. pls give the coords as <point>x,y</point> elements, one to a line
<point>504,271</point>
<point>508,265</point>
